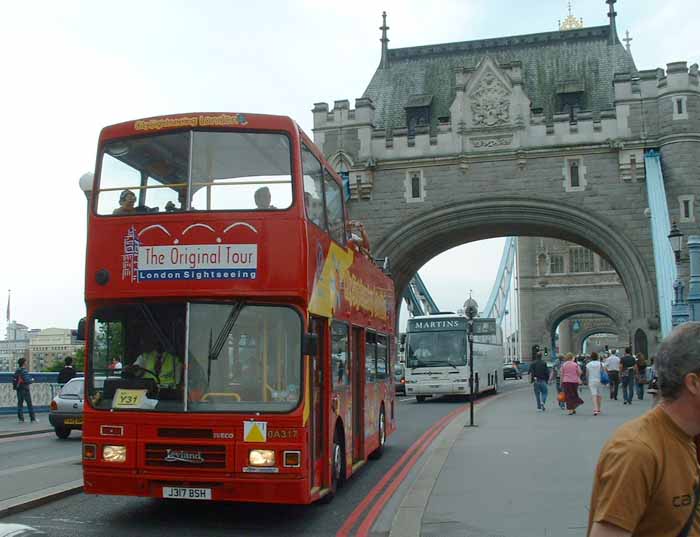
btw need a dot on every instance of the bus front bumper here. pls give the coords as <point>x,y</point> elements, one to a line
<point>266,489</point>
<point>451,388</point>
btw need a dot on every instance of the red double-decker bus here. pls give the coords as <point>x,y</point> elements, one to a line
<point>239,345</point>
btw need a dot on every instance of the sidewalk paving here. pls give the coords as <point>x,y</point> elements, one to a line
<point>10,426</point>
<point>522,472</point>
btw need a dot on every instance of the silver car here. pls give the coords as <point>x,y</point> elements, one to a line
<point>66,411</point>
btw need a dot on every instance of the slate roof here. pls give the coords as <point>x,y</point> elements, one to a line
<point>549,60</point>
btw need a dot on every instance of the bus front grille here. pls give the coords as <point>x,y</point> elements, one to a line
<point>185,456</point>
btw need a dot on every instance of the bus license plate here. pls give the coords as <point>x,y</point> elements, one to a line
<point>186,493</point>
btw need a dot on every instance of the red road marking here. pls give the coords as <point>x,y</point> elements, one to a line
<point>425,439</point>
<point>373,513</point>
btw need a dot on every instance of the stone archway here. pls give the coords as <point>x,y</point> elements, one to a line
<point>412,243</point>
<point>617,321</point>
<point>583,337</point>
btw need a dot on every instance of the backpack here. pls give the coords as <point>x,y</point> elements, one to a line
<point>17,380</point>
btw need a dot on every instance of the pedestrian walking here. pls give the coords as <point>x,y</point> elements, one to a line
<point>20,382</point>
<point>627,375</point>
<point>570,380</point>
<point>612,366</point>
<point>68,371</point>
<point>556,377</point>
<point>647,482</point>
<point>539,377</point>
<point>641,375</point>
<point>594,370</point>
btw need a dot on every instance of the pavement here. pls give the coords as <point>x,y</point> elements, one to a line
<point>519,473</point>
<point>10,426</point>
<point>35,466</point>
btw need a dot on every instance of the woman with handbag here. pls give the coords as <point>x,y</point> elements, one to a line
<point>641,373</point>
<point>595,372</point>
<point>570,379</point>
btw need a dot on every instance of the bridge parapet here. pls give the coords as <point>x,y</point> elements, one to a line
<point>43,390</point>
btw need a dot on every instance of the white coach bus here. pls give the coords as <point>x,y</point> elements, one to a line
<point>437,358</point>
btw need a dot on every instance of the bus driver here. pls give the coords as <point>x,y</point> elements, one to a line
<point>166,366</point>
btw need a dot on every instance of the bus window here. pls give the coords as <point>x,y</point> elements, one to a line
<point>371,356</point>
<point>243,358</point>
<point>382,357</point>
<point>228,168</point>
<point>142,175</point>
<point>313,188</point>
<point>334,209</point>
<point>339,354</point>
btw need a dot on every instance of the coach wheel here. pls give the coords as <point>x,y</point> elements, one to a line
<point>381,431</point>
<point>476,384</point>
<point>62,432</point>
<point>495,386</point>
<point>420,398</point>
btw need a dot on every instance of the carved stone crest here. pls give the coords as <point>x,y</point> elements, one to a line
<point>490,102</point>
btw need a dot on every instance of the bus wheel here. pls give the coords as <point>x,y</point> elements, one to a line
<point>377,453</point>
<point>337,468</point>
<point>421,398</point>
<point>62,432</point>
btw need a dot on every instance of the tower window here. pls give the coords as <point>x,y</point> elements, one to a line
<point>556,264</point>
<point>687,209</point>
<point>573,174</point>
<point>415,185</point>
<point>680,108</point>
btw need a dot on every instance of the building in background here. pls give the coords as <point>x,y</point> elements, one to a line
<point>569,294</point>
<point>51,344</point>
<point>15,346</point>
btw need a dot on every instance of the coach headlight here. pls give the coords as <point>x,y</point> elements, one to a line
<point>261,457</point>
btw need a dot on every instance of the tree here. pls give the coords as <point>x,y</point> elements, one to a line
<point>78,362</point>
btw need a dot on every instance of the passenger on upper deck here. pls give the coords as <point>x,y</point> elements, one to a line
<point>127,202</point>
<point>263,198</point>
<point>358,235</point>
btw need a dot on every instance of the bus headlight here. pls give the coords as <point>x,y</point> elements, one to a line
<point>261,457</point>
<point>114,453</point>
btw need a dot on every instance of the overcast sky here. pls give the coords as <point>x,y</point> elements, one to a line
<point>70,68</point>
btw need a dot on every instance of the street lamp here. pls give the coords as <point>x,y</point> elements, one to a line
<point>471,309</point>
<point>85,183</point>
<point>676,238</point>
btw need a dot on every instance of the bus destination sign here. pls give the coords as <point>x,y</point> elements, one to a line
<point>218,261</point>
<point>437,325</point>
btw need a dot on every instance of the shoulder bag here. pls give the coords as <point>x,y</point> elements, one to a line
<point>604,378</point>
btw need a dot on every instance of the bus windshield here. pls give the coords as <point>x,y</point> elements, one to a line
<point>436,348</point>
<point>195,170</point>
<point>196,357</point>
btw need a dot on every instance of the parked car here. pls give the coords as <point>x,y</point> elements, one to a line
<point>511,372</point>
<point>400,378</point>
<point>66,410</point>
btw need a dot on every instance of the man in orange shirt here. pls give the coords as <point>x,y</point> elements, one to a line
<point>647,482</point>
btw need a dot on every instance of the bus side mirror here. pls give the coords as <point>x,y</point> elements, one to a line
<point>81,330</point>
<point>309,345</point>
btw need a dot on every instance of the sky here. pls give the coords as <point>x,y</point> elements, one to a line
<point>71,68</point>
